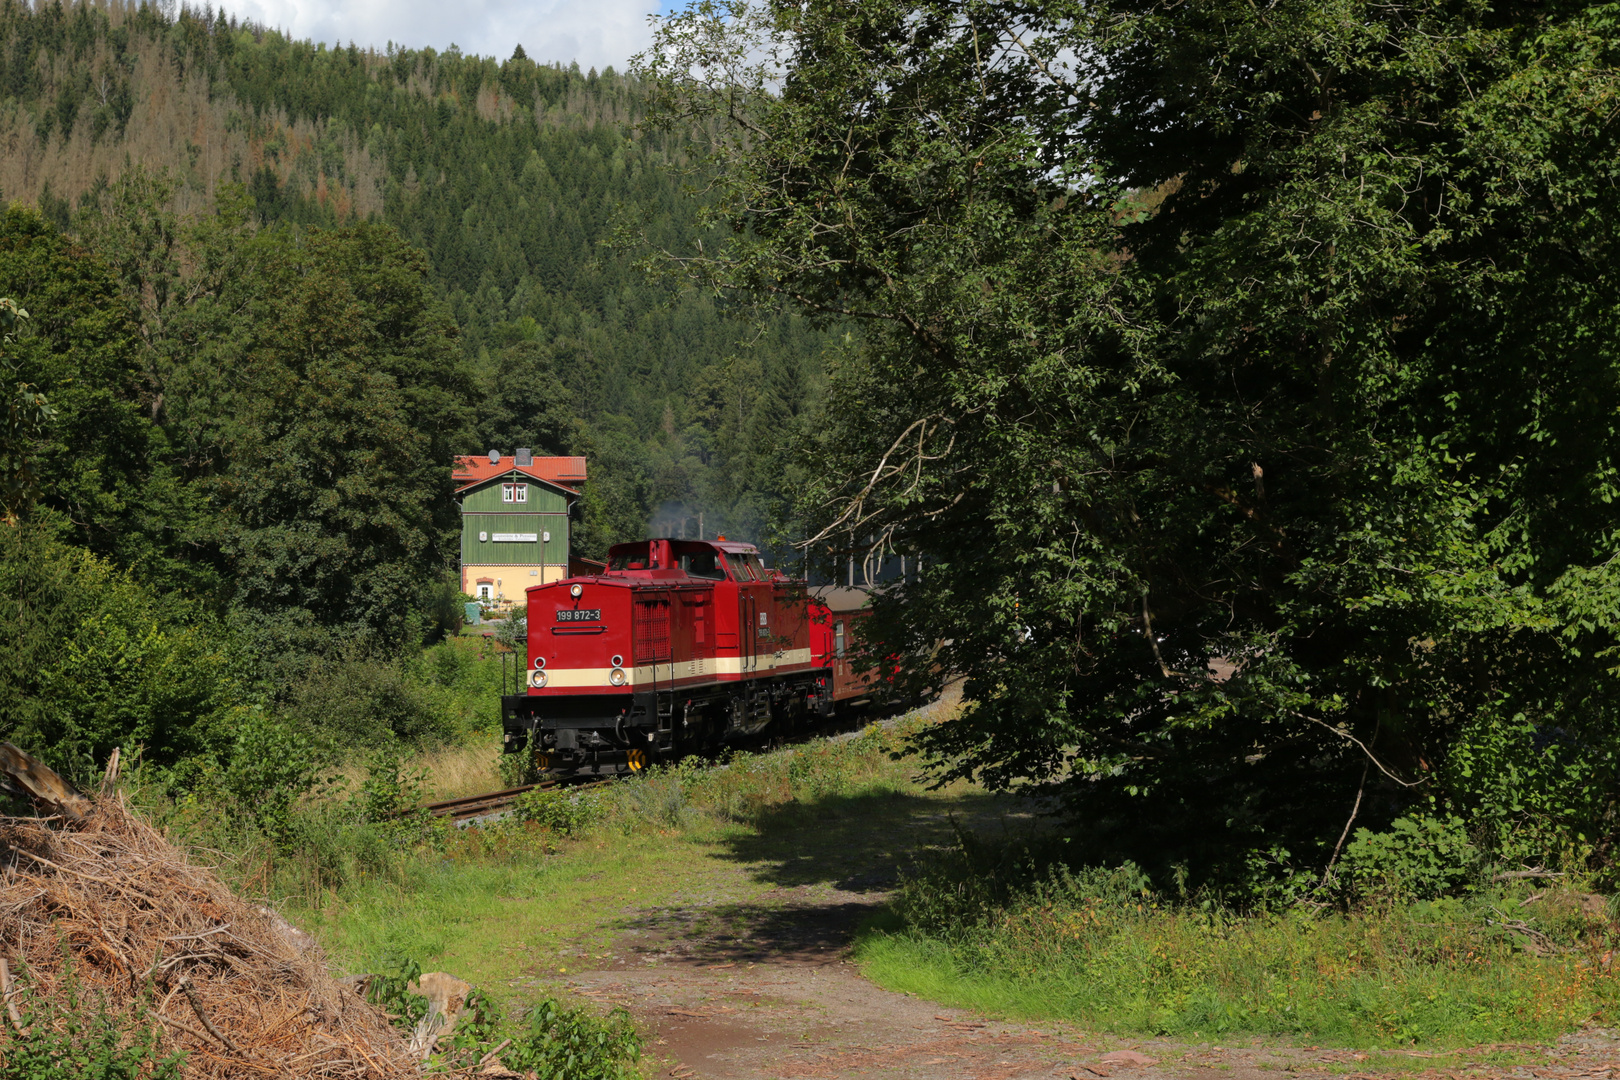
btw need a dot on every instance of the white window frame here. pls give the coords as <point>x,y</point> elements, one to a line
<point>486,591</point>
<point>515,493</point>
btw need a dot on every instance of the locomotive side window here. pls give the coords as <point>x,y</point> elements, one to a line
<point>702,564</point>
<point>838,638</point>
<point>739,567</point>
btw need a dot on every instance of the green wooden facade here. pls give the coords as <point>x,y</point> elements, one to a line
<point>492,552</point>
<point>495,535</point>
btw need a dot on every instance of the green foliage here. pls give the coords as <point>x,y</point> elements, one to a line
<point>390,991</point>
<point>572,1044</point>
<point>694,794</point>
<point>554,1042</point>
<point>78,350</point>
<point>1230,369</point>
<point>70,1038</point>
<point>365,699</point>
<point>1019,932</point>
<point>341,443</point>
<point>1536,794</point>
<point>658,799</point>
<point>96,661</point>
<point>443,608</point>
<point>513,632</point>
<point>390,790</point>
<point>1418,856</point>
<point>560,809</point>
<point>27,415</point>
<point>272,765</point>
<point>477,1031</point>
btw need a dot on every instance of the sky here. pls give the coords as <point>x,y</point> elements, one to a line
<point>594,33</point>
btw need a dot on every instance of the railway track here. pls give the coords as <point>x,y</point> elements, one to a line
<point>493,804</point>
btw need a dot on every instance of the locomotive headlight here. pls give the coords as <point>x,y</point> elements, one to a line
<point>617,661</point>
<point>617,677</point>
<point>538,679</point>
<point>539,662</point>
<point>575,590</point>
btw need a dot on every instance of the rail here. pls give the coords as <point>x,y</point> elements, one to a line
<point>476,807</point>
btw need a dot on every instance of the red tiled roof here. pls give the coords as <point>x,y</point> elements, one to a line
<point>561,471</point>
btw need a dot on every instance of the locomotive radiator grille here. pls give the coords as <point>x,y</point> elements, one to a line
<point>651,632</point>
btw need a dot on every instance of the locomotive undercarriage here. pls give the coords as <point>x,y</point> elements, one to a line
<point>600,735</point>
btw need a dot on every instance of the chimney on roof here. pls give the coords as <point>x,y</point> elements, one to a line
<point>525,457</point>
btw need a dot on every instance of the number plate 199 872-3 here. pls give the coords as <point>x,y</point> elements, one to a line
<point>579,615</point>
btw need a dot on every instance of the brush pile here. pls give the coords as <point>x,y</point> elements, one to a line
<point>98,911</point>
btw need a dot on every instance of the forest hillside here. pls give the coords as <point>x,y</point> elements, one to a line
<point>511,176</point>
<point>257,296</point>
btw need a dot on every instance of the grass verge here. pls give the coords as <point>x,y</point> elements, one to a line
<point>515,905</point>
<point>1098,948</point>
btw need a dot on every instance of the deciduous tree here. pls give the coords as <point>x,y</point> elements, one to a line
<point>1245,375</point>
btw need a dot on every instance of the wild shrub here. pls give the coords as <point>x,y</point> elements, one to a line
<point>357,699</point>
<point>391,791</point>
<point>564,810</point>
<point>390,991</point>
<point>1420,857</point>
<point>553,1042</point>
<point>560,1043</point>
<point>442,607</point>
<point>94,660</point>
<point>657,798</point>
<point>66,1037</point>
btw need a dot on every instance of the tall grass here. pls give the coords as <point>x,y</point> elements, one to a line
<point>347,837</point>
<point>694,794</point>
<point>447,772</point>
<point>1099,947</point>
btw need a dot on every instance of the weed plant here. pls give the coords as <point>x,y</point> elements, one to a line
<point>694,793</point>
<point>547,1040</point>
<point>988,928</point>
<point>70,1038</point>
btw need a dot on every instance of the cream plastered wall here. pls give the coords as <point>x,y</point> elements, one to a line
<point>510,580</point>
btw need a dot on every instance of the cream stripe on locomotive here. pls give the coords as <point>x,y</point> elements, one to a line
<point>664,674</point>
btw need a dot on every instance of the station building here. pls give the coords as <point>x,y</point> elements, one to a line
<point>516,518</point>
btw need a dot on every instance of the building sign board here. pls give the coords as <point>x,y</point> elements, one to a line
<point>516,538</point>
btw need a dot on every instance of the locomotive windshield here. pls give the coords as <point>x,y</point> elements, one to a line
<point>745,567</point>
<point>696,559</point>
<point>702,564</point>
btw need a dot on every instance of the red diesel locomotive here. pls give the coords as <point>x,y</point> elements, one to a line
<point>679,646</point>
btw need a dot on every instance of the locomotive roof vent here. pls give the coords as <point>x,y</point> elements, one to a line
<point>525,457</point>
<point>494,457</point>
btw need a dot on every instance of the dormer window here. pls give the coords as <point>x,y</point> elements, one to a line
<point>515,493</point>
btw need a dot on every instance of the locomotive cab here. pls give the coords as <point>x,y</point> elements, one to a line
<point>678,645</point>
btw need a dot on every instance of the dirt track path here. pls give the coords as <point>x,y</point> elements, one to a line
<point>750,985</point>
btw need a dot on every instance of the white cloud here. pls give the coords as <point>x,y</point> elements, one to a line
<point>595,33</point>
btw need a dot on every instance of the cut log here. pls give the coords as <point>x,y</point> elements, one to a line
<point>42,782</point>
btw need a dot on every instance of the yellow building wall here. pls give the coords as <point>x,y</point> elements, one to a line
<point>509,580</point>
